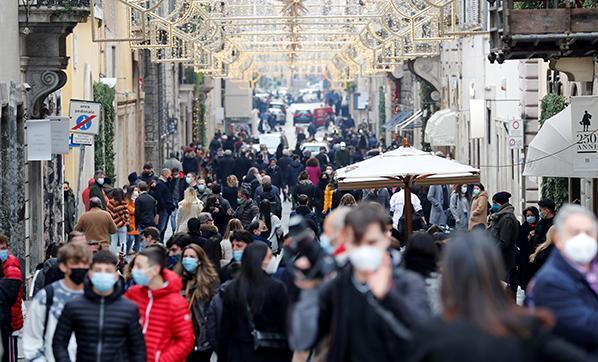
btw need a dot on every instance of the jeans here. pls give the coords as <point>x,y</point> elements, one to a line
<point>133,241</point>
<point>118,239</point>
<point>163,222</point>
<point>173,221</point>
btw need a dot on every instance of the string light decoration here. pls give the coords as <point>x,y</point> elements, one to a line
<point>244,39</point>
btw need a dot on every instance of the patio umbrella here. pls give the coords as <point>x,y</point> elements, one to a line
<point>405,167</point>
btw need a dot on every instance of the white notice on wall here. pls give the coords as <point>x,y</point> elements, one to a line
<point>60,134</point>
<point>39,142</point>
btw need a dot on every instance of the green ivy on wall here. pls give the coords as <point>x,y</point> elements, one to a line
<point>425,95</point>
<point>554,188</point>
<point>199,112</point>
<point>381,110</point>
<point>104,140</point>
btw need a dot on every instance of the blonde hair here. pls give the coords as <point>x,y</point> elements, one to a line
<point>233,225</point>
<point>540,248</point>
<point>232,181</point>
<point>189,199</point>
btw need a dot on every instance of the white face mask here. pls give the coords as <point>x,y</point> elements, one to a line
<point>271,267</point>
<point>366,258</point>
<point>464,189</point>
<point>581,248</point>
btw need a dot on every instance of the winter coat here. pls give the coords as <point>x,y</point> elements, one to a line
<point>504,228</point>
<point>314,173</point>
<point>97,225</point>
<point>246,212</point>
<point>242,165</point>
<point>284,163</point>
<point>96,190</point>
<point>342,158</point>
<point>525,249</point>
<point>275,175</point>
<point>106,328</point>
<point>145,210</point>
<point>161,192</point>
<point>461,341</point>
<point>183,215</point>
<point>295,168</point>
<point>459,208</point>
<point>274,199</point>
<point>212,245</point>
<point>165,319</point>
<point>10,289</point>
<point>199,311</point>
<point>119,212</point>
<point>230,194</point>
<point>226,167</point>
<point>70,211</point>
<point>324,160</point>
<point>479,210</point>
<point>541,229</point>
<point>235,342</point>
<point>190,163</point>
<point>305,187</point>
<point>328,192</point>
<point>436,197</point>
<point>132,224</point>
<point>563,290</point>
<point>11,269</point>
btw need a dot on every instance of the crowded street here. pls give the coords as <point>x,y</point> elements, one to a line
<point>298,181</point>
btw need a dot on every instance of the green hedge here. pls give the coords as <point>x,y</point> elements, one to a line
<point>104,140</point>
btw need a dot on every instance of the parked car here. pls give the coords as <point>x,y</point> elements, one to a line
<point>280,111</point>
<point>314,147</point>
<point>302,116</point>
<point>321,115</point>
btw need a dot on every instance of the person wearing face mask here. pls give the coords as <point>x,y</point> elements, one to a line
<point>459,207</point>
<point>478,217</point>
<point>46,307</point>
<point>175,246</point>
<point>165,318</point>
<point>133,232</point>
<point>567,284</point>
<point>97,189</point>
<point>504,228</point>
<point>105,325</point>
<point>525,246</point>
<point>203,191</point>
<point>239,239</point>
<point>253,304</point>
<point>70,208</point>
<point>547,207</point>
<point>200,283</point>
<point>334,236</point>
<point>247,209</point>
<point>11,269</point>
<point>370,308</point>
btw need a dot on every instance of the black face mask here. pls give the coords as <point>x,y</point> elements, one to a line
<point>78,275</point>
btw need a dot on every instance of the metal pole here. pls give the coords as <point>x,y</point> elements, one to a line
<point>80,176</point>
<point>408,207</point>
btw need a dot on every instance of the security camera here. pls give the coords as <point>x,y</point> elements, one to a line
<point>26,87</point>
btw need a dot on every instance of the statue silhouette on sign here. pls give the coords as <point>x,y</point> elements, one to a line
<point>585,121</point>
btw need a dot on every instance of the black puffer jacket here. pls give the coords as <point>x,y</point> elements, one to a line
<point>106,328</point>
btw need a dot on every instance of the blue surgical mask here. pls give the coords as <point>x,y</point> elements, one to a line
<point>103,282</point>
<point>3,255</point>
<point>326,244</point>
<point>201,188</point>
<point>476,192</point>
<point>495,207</point>
<point>188,179</point>
<point>531,219</point>
<point>190,264</point>
<point>239,201</point>
<point>140,277</point>
<point>237,255</point>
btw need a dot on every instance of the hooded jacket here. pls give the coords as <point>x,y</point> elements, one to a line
<point>106,328</point>
<point>165,319</point>
<point>479,210</point>
<point>504,228</point>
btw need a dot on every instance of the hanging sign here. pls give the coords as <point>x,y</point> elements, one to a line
<point>584,114</point>
<point>85,117</point>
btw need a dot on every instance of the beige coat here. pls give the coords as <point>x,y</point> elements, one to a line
<point>183,215</point>
<point>479,210</point>
<point>97,225</point>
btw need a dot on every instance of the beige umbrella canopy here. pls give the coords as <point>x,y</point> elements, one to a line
<point>406,166</point>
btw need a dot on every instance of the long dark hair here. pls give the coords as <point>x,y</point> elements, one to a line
<point>266,213</point>
<point>250,286</point>
<point>472,290</point>
<point>421,254</point>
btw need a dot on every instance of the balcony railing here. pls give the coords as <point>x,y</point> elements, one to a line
<point>543,29</point>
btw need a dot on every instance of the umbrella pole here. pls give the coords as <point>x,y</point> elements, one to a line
<point>408,207</point>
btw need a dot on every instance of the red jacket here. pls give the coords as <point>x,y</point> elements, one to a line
<point>165,320</point>
<point>12,270</point>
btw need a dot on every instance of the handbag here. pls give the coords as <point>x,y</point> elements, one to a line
<point>265,339</point>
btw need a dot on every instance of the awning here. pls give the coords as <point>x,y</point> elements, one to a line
<point>397,119</point>
<point>441,128</point>
<point>412,122</point>
<point>550,153</point>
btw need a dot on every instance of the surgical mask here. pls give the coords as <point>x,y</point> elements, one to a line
<point>495,207</point>
<point>366,258</point>
<point>201,188</point>
<point>271,267</point>
<point>140,277</point>
<point>581,248</point>
<point>239,201</point>
<point>464,189</point>
<point>326,244</point>
<point>103,282</point>
<point>78,275</point>
<point>476,192</point>
<point>188,179</point>
<point>531,219</point>
<point>190,264</point>
<point>100,181</point>
<point>237,255</point>
<point>135,195</point>
<point>3,255</point>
